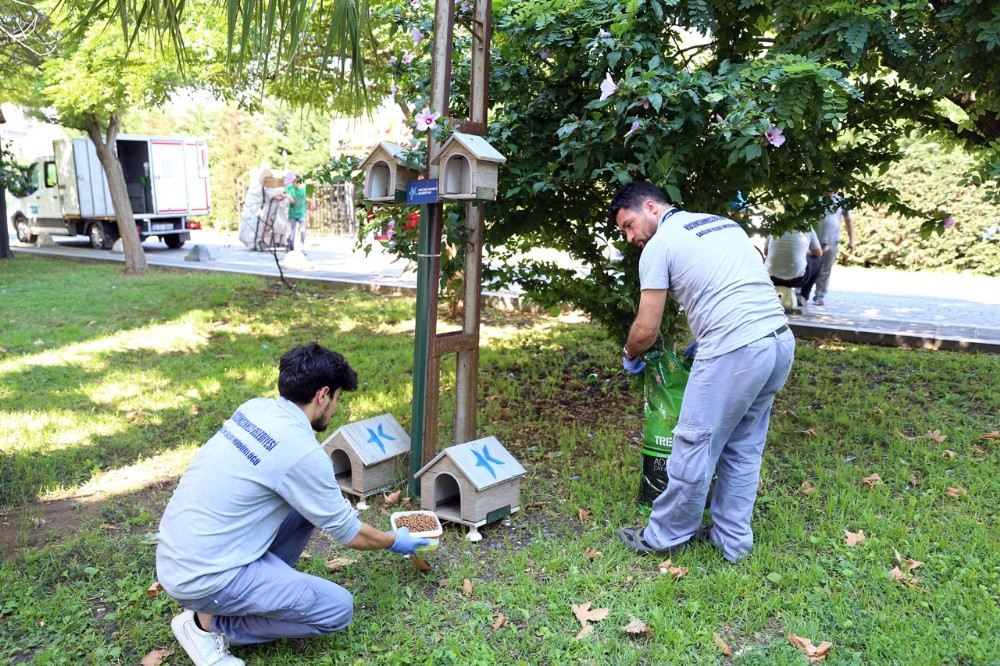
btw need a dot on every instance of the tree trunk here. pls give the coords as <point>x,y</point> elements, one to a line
<point>135,258</point>
<point>5,252</point>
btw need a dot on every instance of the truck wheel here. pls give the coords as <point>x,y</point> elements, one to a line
<point>173,242</point>
<point>100,239</point>
<point>24,230</point>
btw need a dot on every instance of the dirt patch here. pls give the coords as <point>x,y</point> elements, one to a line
<point>43,523</point>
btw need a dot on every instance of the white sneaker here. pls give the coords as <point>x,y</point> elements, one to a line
<point>204,647</point>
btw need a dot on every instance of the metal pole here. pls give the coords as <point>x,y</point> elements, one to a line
<point>421,351</point>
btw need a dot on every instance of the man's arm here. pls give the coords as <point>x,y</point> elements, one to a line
<point>370,538</point>
<point>646,326</point>
<point>815,249</point>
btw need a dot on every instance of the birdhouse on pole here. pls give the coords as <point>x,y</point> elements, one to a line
<point>468,168</point>
<point>387,173</point>
<point>368,456</point>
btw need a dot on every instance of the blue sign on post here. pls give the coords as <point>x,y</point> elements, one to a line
<point>422,191</point>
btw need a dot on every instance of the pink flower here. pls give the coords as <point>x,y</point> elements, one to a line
<point>545,54</point>
<point>636,126</point>
<point>416,36</point>
<point>718,119</point>
<point>393,89</point>
<point>415,4</point>
<point>645,103</point>
<point>948,222</point>
<point>426,119</point>
<point>608,87</point>
<point>407,58</point>
<point>775,136</point>
<point>602,33</point>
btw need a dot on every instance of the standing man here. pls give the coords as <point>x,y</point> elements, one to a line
<point>829,238</point>
<point>745,349</point>
<point>296,194</point>
<point>244,510</point>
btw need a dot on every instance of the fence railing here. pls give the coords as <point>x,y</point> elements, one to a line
<point>332,210</point>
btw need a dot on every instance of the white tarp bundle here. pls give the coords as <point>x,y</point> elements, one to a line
<point>264,222</point>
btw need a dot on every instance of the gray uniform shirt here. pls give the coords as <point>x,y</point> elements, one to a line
<point>263,462</point>
<point>829,227</point>
<point>709,266</point>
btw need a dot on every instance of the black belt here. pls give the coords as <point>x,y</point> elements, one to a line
<point>776,332</point>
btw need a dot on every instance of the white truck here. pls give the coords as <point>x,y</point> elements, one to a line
<point>67,192</point>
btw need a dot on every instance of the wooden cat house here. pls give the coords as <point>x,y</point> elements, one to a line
<point>472,484</point>
<point>369,456</point>
<point>387,172</point>
<point>468,168</point>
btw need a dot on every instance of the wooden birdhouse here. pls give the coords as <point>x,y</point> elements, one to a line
<point>468,168</point>
<point>473,484</point>
<point>369,456</point>
<point>387,172</point>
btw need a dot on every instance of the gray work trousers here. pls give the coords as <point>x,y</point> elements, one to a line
<point>269,599</point>
<point>722,427</point>
<point>829,259</point>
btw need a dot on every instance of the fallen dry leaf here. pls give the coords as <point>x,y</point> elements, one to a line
<point>994,435</point>
<point>806,489</point>
<point>499,620</point>
<point>811,431</point>
<point>900,576</point>
<point>907,564</point>
<point>536,506</point>
<point>194,410</point>
<point>155,658</point>
<point>854,538</point>
<point>954,493</point>
<point>467,587</point>
<point>109,527</point>
<point>442,582</point>
<point>936,435</point>
<point>136,415</point>
<point>668,567</point>
<point>592,554</point>
<point>906,437</point>
<point>878,411</point>
<point>914,481</point>
<point>637,627</point>
<point>420,564</point>
<point>584,514</point>
<point>806,647</point>
<point>723,645</point>
<point>392,499</point>
<point>979,451</point>
<point>506,412</point>
<point>948,453</point>
<point>338,563</point>
<point>872,481</point>
<point>585,614</point>
<point>154,590</point>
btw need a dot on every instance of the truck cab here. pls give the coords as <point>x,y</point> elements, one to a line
<point>67,194</point>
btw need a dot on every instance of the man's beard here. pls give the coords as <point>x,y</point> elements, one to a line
<point>319,426</point>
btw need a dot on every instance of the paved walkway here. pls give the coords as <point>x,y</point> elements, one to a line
<point>931,310</point>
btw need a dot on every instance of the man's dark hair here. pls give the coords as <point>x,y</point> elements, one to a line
<point>632,195</point>
<point>304,370</point>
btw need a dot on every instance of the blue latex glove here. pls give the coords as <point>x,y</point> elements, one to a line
<point>633,366</point>
<point>406,543</point>
<point>691,350</point>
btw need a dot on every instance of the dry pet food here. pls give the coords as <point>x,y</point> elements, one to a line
<point>418,522</point>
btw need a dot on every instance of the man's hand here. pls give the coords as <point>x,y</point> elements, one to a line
<point>633,365</point>
<point>406,543</point>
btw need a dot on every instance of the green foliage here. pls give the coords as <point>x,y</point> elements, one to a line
<point>932,171</point>
<point>689,113</point>
<point>12,173</point>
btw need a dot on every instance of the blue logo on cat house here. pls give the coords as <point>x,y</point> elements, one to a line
<point>422,191</point>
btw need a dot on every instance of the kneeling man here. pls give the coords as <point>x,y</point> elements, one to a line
<point>244,510</point>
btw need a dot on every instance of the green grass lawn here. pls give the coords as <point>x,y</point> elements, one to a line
<point>109,384</point>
